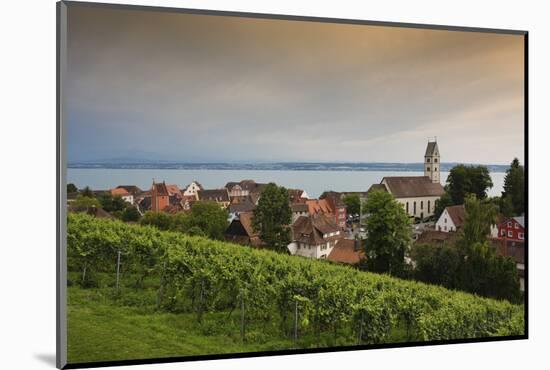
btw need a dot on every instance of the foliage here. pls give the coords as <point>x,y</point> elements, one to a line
<point>161,220</point>
<point>353,204</point>
<point>272,217</point>
<point>514,190</point>
<point>440,204</point>
<point>130,214</point>
<point>209,218</point>
<point>204,277</point>
<point>71,188</point>
<point>112,203</point>
<point>471,264</point>
<point>83,203</point>
<point>87,192</point>
<point>388,234</point>
<point>463,180</point>
<point>205,219</point>
<point>478,220</point>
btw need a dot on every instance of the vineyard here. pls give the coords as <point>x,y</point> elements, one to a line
<point>265,292</point>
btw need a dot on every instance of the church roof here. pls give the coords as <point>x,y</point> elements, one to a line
<point>431,149</point>
<point>413,186</point>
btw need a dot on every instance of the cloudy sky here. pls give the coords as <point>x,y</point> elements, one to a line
<point>196,88</point>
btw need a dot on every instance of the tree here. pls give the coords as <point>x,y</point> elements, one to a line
<point>161,220</point>
<point>130,214</point>
<point>514,188</point>
<point>209,218</point>
<point>71,188</point>
<point>388,234</point>
<point>442,203</point>
<point>272,217</point>
<point>87,192</point>
<point>463,180</point>
<point>436,264</point>
<point>112,203</point>
<point>83,203</point>
<point>353,204</point>
<point>478,220</point>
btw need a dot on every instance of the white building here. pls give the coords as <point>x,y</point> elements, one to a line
<point>451,219</point>
<point>314,236</point>
<point>418,194</point>
<point>192,189</point>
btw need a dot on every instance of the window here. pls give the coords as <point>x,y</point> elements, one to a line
<point>520,236</point>
<point>435,160</point>
<point>435,168</point>
<point>516,225</point>
<point>407,207</point>
<point>445,220</point>
<point>428,160</point>
<point>414,207</point>
<point>428,206</point>
<point>509,224</point>
<point>445,228</point>
<point>428,169</point>
<point>502,232</point>
<point>421,204</point>
<point>510,234</point>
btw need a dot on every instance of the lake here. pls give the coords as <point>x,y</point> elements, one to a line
<point>313,182</point>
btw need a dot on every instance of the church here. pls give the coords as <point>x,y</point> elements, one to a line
<point>418,194</point>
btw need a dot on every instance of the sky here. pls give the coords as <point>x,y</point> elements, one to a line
<point>146,85</point>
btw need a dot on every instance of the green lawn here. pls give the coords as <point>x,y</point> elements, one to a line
<point>104,328</point>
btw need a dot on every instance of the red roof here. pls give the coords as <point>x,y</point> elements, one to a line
<point>344,252</point>
<point>316,206</point>
<point>160,188</point>
<point>119,191</point>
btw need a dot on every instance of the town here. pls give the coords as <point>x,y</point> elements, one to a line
<point>332,227</point>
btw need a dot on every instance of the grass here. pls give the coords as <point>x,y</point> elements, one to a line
<point>106,326</point>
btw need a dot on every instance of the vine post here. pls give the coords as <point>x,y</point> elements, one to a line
<point>162,282</point>
<point>242,315</point>
<point>117,269</point>
<point>295,323</point>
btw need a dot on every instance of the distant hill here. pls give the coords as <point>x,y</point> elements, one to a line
<point>275,166</point>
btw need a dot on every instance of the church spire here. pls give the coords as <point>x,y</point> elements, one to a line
<point>432,161</point>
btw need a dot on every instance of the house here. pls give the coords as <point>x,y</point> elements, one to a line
<point>192,189</point>
<point>132,189</point>
<point>123,193</point>
<point>512,228</point>
<point>298,209</point>
<point>220,196</point>
<point>451,219</point>
<point>337,207</point>
<point>245,205</point>
<point>436,237</point>
<point>347,251</point>
<point>314,236</point>
<point>243,188</point>
<point>297,196</point>
<point>241,231</point>
<point>160,198</point>
<point>97,212</point>
<point>514,249</point>
<point>174,191</point>
<point>418,194</point>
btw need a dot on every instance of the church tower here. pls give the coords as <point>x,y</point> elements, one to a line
<point>432,162</point>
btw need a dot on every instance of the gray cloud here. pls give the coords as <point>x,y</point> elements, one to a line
<point>204,88</point>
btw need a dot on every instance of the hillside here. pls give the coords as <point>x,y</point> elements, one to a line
<point>256,299</point>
